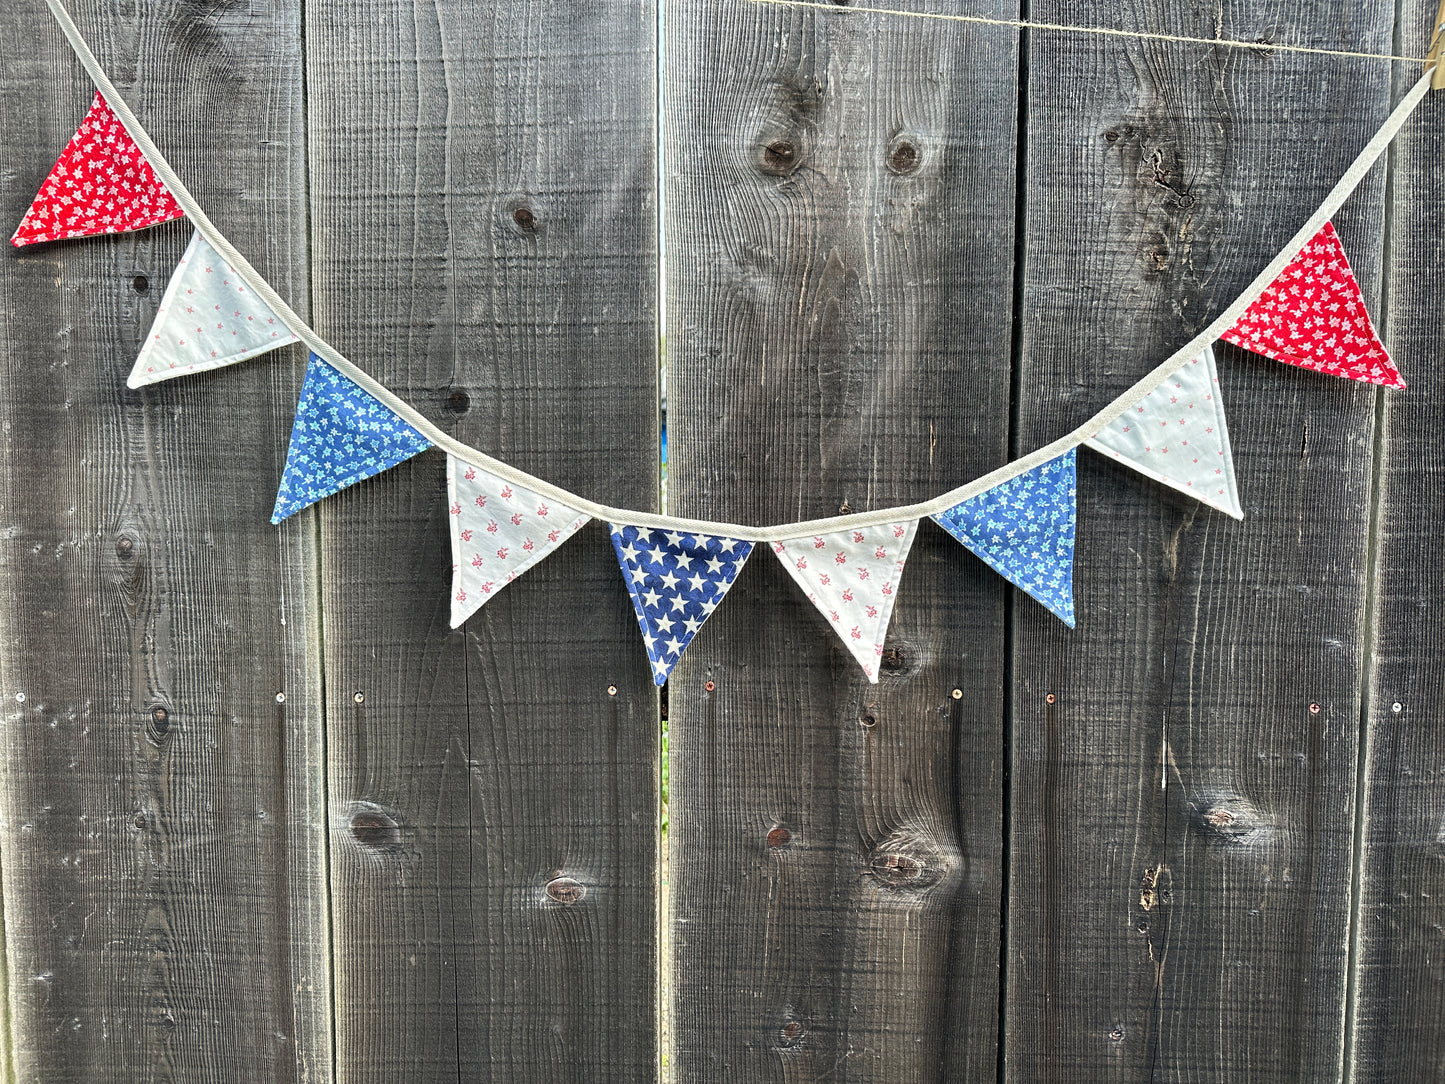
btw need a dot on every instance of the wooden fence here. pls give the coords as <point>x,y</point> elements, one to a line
<point>265,817</point>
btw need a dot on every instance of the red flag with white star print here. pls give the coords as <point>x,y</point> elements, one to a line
<point>102,183</point>
<point>1313,315</point>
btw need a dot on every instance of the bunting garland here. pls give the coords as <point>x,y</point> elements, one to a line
<point>1306,310</point>
<point>1313,315</point>
<point>675,581</point>
<point>102,183</point>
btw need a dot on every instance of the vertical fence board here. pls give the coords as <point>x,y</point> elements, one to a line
<point>1399,1030</point>
<point>483,205</point>
<point>1182,820</point>
<point>840,204</point>
<point>160,816</point>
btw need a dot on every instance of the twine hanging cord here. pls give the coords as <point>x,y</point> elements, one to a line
<point>1101,31</point>
<point>1222,323</point>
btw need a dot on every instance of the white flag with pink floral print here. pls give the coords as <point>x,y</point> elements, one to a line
<point>208,318</point>
<point>499,530</point>
<point>852,577</point>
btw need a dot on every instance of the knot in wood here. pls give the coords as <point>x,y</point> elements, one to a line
<point>1225,818</point>
<point>779,157</point>
<point>565,890</point>
<point>904,156</point>
<point>158,724</point>
<point>373,828</point>
<point>779,837</point>
<point>791,1033</point>
<point>894,660</point>
<point>897,870</point>
<point>140,284</point>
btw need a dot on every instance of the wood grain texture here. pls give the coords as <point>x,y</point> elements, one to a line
<point>1182,817</point>
<point>1398,1027</point>
<point>161,818</point>
<point>840,208</point>
<point>483,209</point>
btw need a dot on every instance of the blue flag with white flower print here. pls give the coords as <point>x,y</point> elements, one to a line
<point>1024,530</point>
<point>342,435</point>
<point>676,580</point>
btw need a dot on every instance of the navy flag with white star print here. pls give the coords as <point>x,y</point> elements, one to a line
<point>676,580</point>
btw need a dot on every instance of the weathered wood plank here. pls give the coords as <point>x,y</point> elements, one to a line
<point>1183,818</point>
<point>161,818</point>
<point>1398,1028</point>
<point>483,186</point>
<point>840,193</point>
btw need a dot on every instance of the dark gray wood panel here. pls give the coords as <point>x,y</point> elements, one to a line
<point>483,210</point>
<point>1183,810</point>
<point>161,816</point>
<point>840,211</point>
<point>1398,1028</point>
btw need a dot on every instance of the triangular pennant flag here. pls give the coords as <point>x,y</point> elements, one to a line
<point>1313,315</point>
<point>1024,530</point>
<point>499,530</point>
<point>676,581</point>
<point>208,318</point>
<point>342,436</point>
<point>1176,435</point>
<point>852,577</point>
<point>102,183</point>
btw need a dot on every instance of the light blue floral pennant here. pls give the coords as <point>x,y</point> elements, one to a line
<point>342,436</point>
<point>1024,530</point>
